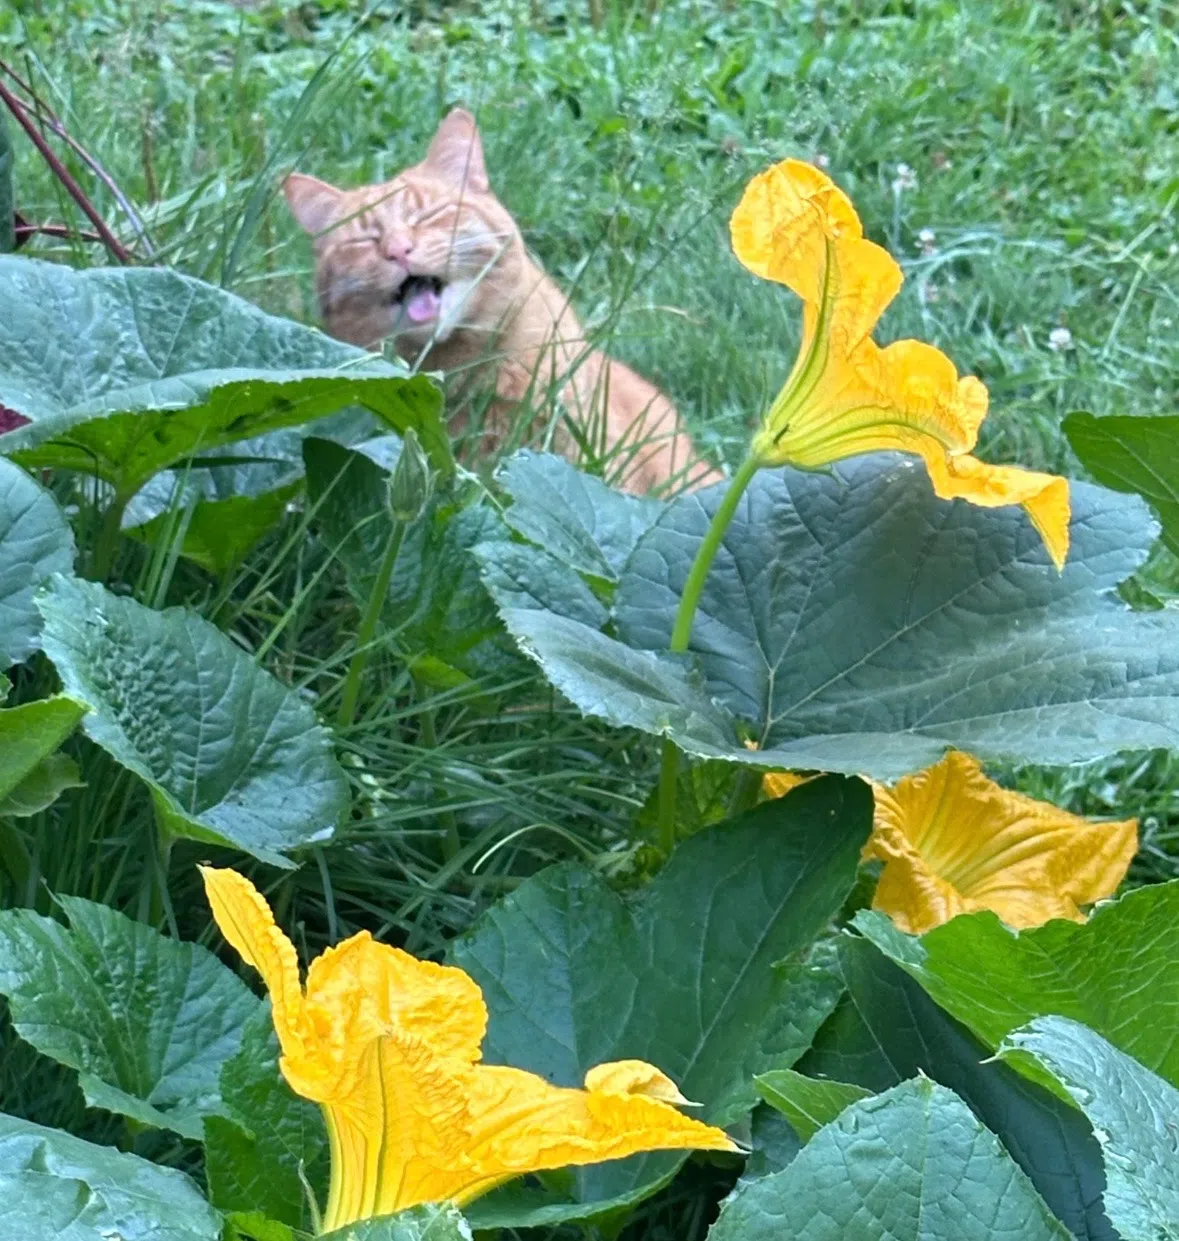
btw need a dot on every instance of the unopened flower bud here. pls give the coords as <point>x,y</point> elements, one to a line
<point>412,481</point>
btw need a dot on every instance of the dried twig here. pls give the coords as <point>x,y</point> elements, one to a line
<point>54,123</point>
<point>75,191</point>
<point>25,230</point>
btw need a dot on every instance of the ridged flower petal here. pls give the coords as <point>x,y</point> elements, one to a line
<point>845,394</point>
<point>634,1077</point>
<point>955,842</point>
<point>390,1046</point>
<point>244,917</point>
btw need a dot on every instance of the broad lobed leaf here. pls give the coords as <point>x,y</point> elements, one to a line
<point>1135,1118</point>
<point>687,975</point>
<point>230,754</point>
<point>56,1187</point>
<point>35,542</point>
<point>1118,973</point>
<point>853,622</point>
<point>911,1164</point>
<point>147,1021</point>
<point>126,371</point>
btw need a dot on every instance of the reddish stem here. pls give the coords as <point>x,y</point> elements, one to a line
<point>75,191</point>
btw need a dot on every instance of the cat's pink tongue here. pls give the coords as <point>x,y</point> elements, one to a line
<point>423,306</point>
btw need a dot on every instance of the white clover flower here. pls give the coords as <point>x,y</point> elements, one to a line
<point>906,179</point>
<point>1060,339</point>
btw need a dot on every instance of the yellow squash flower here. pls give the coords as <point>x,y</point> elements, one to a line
<point>390,1047</point>
<point>846,395</point>
<point>954,842</point>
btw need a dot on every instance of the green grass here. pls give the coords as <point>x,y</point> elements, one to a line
<point>1043,140</point>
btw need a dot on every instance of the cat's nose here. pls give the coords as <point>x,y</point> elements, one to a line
<point>397,248</point>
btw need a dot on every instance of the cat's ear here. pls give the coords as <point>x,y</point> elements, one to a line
<point>457,153</point>
<point>314,203</point>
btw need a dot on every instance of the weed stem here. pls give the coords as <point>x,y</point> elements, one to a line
<point>681,633</point>
<point>368,626</point>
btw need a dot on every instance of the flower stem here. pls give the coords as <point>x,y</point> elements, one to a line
<point>107,543</point>
<point>681,633</point>
<point>368,627</point>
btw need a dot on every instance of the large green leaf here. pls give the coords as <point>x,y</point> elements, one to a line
<point>808,1103</point>
<point>436,604</point>
<point>688,975</point>
<point>29,734</point>
<point>126,371</point>
<point>854,622</point>
<point>35,541</point>
<point>886,1029</point>
<point>1134,1114</point>
<point>230,754</point>
<point>7,194</point>
<point>56,1187</point>
<point>912,1164</point>
<point>147,1021</point>
<point>1118,973</point>
<point>577,518</point>
<point>255,1154</point>
<point>428,1223</point>
<point>1135,454</point>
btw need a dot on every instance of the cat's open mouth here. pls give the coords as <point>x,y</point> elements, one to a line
<point>419,298</point>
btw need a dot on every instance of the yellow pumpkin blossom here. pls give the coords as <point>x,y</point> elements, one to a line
<point>390,1047</point>
<point>847,395</point>
<point>952,841</point>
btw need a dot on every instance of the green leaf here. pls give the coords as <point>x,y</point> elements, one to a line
<point>436,603</point>
<point>55,1187</point>
<point>35,541</point>
<point>427,1223</point>
<point>1135,454</point>
<point>808,1103</point>
<point>529,579</point>
<point>230,754</point>
<point>687,975</point>
<point>126,371</point>
<point>577,518</point>
<point>253,1155</point>
<point>1118,973</point>
<point>29,734</point>
<point>256,1226</point>
<point>912,1164</point>
<point>854,622</point>
<point>886,1029</point>
<point>147,1021</point>
<point>1134,1114</point>
<point>42,787</point>
<point>7,192</point>
<point>219,534</point>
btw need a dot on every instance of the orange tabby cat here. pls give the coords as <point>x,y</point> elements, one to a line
<point>434,260</point>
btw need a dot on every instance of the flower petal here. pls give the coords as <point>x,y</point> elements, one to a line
<point>953,841</point>
<point>845,394</point>
<point>371,988</point>
<point>1045,498</point>
<point>399,1137</point>
<point>634,1077</point>
<point>779,783</point>
<point>796,226</point>
<point>521,1123</point>
<point>244,918</point>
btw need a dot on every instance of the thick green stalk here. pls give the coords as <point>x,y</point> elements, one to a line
<point>368,627</point>
<point>107,543</point>
<point>681,633</point>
